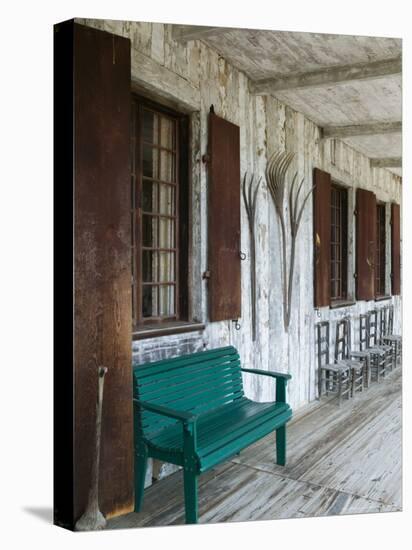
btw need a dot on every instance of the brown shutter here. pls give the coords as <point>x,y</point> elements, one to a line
<point>321,236</point>
<point>102,276</point>
<point>396,249</point>
<point>224,220</point>
<point>365,244</point>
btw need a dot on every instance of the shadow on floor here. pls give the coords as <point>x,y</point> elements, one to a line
<point>42,512</point>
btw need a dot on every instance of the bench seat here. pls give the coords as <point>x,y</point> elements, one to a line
<point>224,431</point>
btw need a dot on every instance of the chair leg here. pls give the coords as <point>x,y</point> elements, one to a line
<point>191,505</point>
<point>339,389</point>
<point>352,382</point>
<point>281,446</point>
<point>368,371</point>
<point>140,466</point>
<point>378,368</point>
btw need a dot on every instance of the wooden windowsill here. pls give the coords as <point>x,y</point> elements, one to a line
<point>173,327</point>
<point>380,298</point>
<point>341,303</point>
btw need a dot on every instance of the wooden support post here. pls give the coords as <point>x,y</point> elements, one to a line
<point>92,206</point>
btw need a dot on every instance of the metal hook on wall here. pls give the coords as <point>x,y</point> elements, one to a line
<point>236,323</point>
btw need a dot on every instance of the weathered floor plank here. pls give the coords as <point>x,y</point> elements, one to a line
<point>343,460</point>
<point>328,429</point>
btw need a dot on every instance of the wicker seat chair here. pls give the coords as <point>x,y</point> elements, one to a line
<point>357,361</point>
<point>334,377</point>
<point>381,355</point>
<point>387,336</point>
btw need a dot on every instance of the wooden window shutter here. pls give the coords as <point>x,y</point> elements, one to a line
<point>365,244</point>
<point>396,248</point>
<point>98,103</point>
<point>321,235</point>
<point>224,220</point>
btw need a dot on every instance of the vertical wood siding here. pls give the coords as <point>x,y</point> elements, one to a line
<point>199,77</point>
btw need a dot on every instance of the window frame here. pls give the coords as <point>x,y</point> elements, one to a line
<point>343,295</point>
<point>380,251</point>
<point>151,326</point>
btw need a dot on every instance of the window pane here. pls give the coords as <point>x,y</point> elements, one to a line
<point>149,231</point>
<point>167,199</point>
<point>333,236</point>
<point>338,259</point>
<point>167,166</point>
<point>150,261</point>
<point>166,267</point>
<point>167,301</point>
<point>167,133</point>
<point>150,126</point>
<point>149,198</point>
<point>380,254</point>
<point>166,233</point>
<point>132,193</point>
<point>149,305</point>
<point>150,157</point>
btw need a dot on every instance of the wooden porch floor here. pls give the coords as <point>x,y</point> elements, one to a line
<point>343,460</point>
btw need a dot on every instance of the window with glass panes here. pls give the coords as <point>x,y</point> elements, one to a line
<point>380,250</point>
<point>338,243</point>
<point>157,285</point>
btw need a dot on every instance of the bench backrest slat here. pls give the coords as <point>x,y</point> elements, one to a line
<point>198,383</point>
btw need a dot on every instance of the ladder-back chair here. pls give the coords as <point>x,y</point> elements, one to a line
<point>394,340</point>
<point>357,362</point>
<point>332,377</point>
<point>381,355</point>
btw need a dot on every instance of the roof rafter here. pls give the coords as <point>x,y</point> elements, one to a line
<point>184,33</point>
<point>328,76</point>
<point>370,129</point>
<point>387,162</point>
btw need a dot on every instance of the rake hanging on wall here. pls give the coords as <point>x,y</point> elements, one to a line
<point>249,197</point>
<point>276,169</point>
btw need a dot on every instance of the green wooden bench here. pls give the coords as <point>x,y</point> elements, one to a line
<point>192,411</point>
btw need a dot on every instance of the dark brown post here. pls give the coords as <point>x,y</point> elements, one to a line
<point>99,189</point>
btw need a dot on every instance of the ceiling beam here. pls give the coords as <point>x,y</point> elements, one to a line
<point>328,76</point>
<point>371,129</point>
<point>388,162</point>
<point>184,33</point>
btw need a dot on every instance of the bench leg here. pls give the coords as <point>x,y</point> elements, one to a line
<point>191,509</point>
<point>140,467</point>
<point>281,446</point>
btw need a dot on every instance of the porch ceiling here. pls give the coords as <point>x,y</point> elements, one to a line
<point>335,80</point>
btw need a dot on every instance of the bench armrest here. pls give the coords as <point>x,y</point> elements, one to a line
<point>281,381</point>
<point>182,416</point>
<point>271,373</point>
